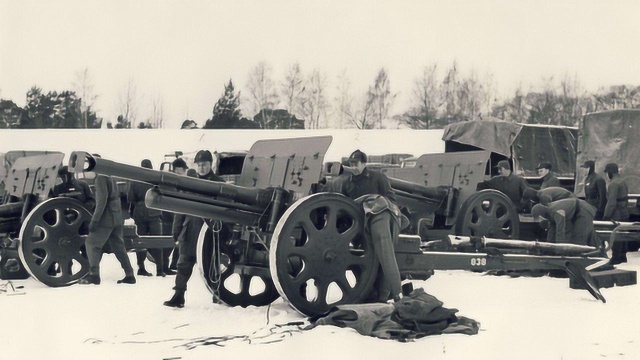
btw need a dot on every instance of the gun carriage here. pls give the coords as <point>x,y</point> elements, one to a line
<point>277,233</point>
<point>44,236</point>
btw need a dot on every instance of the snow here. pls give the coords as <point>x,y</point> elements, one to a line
<point>521,318</point>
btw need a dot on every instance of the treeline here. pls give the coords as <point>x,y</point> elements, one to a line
<point>310,100</point>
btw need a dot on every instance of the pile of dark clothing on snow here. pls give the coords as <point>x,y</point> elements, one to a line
<point>414,316</point>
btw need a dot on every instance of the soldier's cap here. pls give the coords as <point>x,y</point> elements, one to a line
<point>179,163</point>
<point>357,156</point>
<point>192,173</point>
<point>203,155</point>
<point>63,170</point>
<point>530,194</point>
<point>503,164</point>
<point>588,164</point>
<point>611,168</point>
<point>146,163</point>
<point>544,165</point>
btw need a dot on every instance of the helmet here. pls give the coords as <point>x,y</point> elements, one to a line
<point>203,155</point>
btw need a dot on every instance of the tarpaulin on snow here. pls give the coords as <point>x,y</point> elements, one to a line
<point>611,137</point>
<point>416,315</point>
<point>527,145</point>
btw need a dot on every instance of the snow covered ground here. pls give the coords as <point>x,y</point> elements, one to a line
<point>521,318</point>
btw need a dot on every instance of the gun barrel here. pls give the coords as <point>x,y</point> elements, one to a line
<point>435,193</point>
<point>82,161</point>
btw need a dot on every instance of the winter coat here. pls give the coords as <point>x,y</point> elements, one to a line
<point>554,193</point>
<point>135,196</point>
<point>108,212</point>
<point>512,185</point>
<point>186,228</point>
<point>571,221</point>
<point>549,180</point>
<point>595,192</point>
<point>617,200</point>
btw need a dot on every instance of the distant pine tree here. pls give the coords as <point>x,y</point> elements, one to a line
<point>226,114</point>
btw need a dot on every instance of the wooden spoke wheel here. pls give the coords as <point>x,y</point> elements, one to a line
<point>319,256</point>
<point>52,240</point>
<point>234,283</point>
<point>488,213</point>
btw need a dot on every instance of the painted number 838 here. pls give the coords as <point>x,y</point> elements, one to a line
<point>478,261</point>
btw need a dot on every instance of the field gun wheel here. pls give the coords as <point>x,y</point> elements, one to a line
<point>319,256</point>
<point>488,213</point>
<point>234,283</point>
<point>52,242</point>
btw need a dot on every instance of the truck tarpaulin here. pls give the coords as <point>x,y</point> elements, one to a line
<point>526,144</point>
<point>611,137</point>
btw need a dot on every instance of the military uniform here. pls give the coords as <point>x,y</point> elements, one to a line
<point>382,218</point>
<point>185,231</point>
<point>549,180</point>
<point>147,223</point>
<point>616,209</point>
<point>595,193</point>
<point>512,185</point>
<point>570,220</point>
<point>107,225</point>
<point>550,194</point>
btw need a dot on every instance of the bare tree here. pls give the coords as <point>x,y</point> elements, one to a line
<point>382,98</point>
<point>84,89</point>
<point>426,100</point>
<point>293,90</point>
<point>315,103</point>
<point>128,102</point>
<point>157,112</point>
<point>262,91</point>
<point>363,114</point>
<point>343,100</point>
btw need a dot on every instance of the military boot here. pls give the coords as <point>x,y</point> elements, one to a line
<point>176,301</point>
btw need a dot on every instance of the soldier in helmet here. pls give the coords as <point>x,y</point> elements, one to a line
<point>185,231</point>
<point>616,208</point>
<point>372,190</point>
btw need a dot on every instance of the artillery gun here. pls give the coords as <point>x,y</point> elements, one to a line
<point>42,236</point>
<point>280,237</point>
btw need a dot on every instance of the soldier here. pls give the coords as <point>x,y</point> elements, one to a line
<point>71,187</point>
<point>549,178</point>
<point>616,209</point>
<point>508,183</point>
<point>107,224</point>
<point>570,220</point>
<point>595,189</point>
<point>185,231</point>
<point>148,222</point>
<point>554,193</point>
<point>179,167</point>
<point>382,219</point>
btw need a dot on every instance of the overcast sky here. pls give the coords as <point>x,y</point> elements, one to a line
<point>185,51</point>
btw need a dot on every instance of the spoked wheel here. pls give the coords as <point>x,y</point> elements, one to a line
<point>235,284</point>
<point>319,256</point>
<point>488,213</point>
<point>52,240</point>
